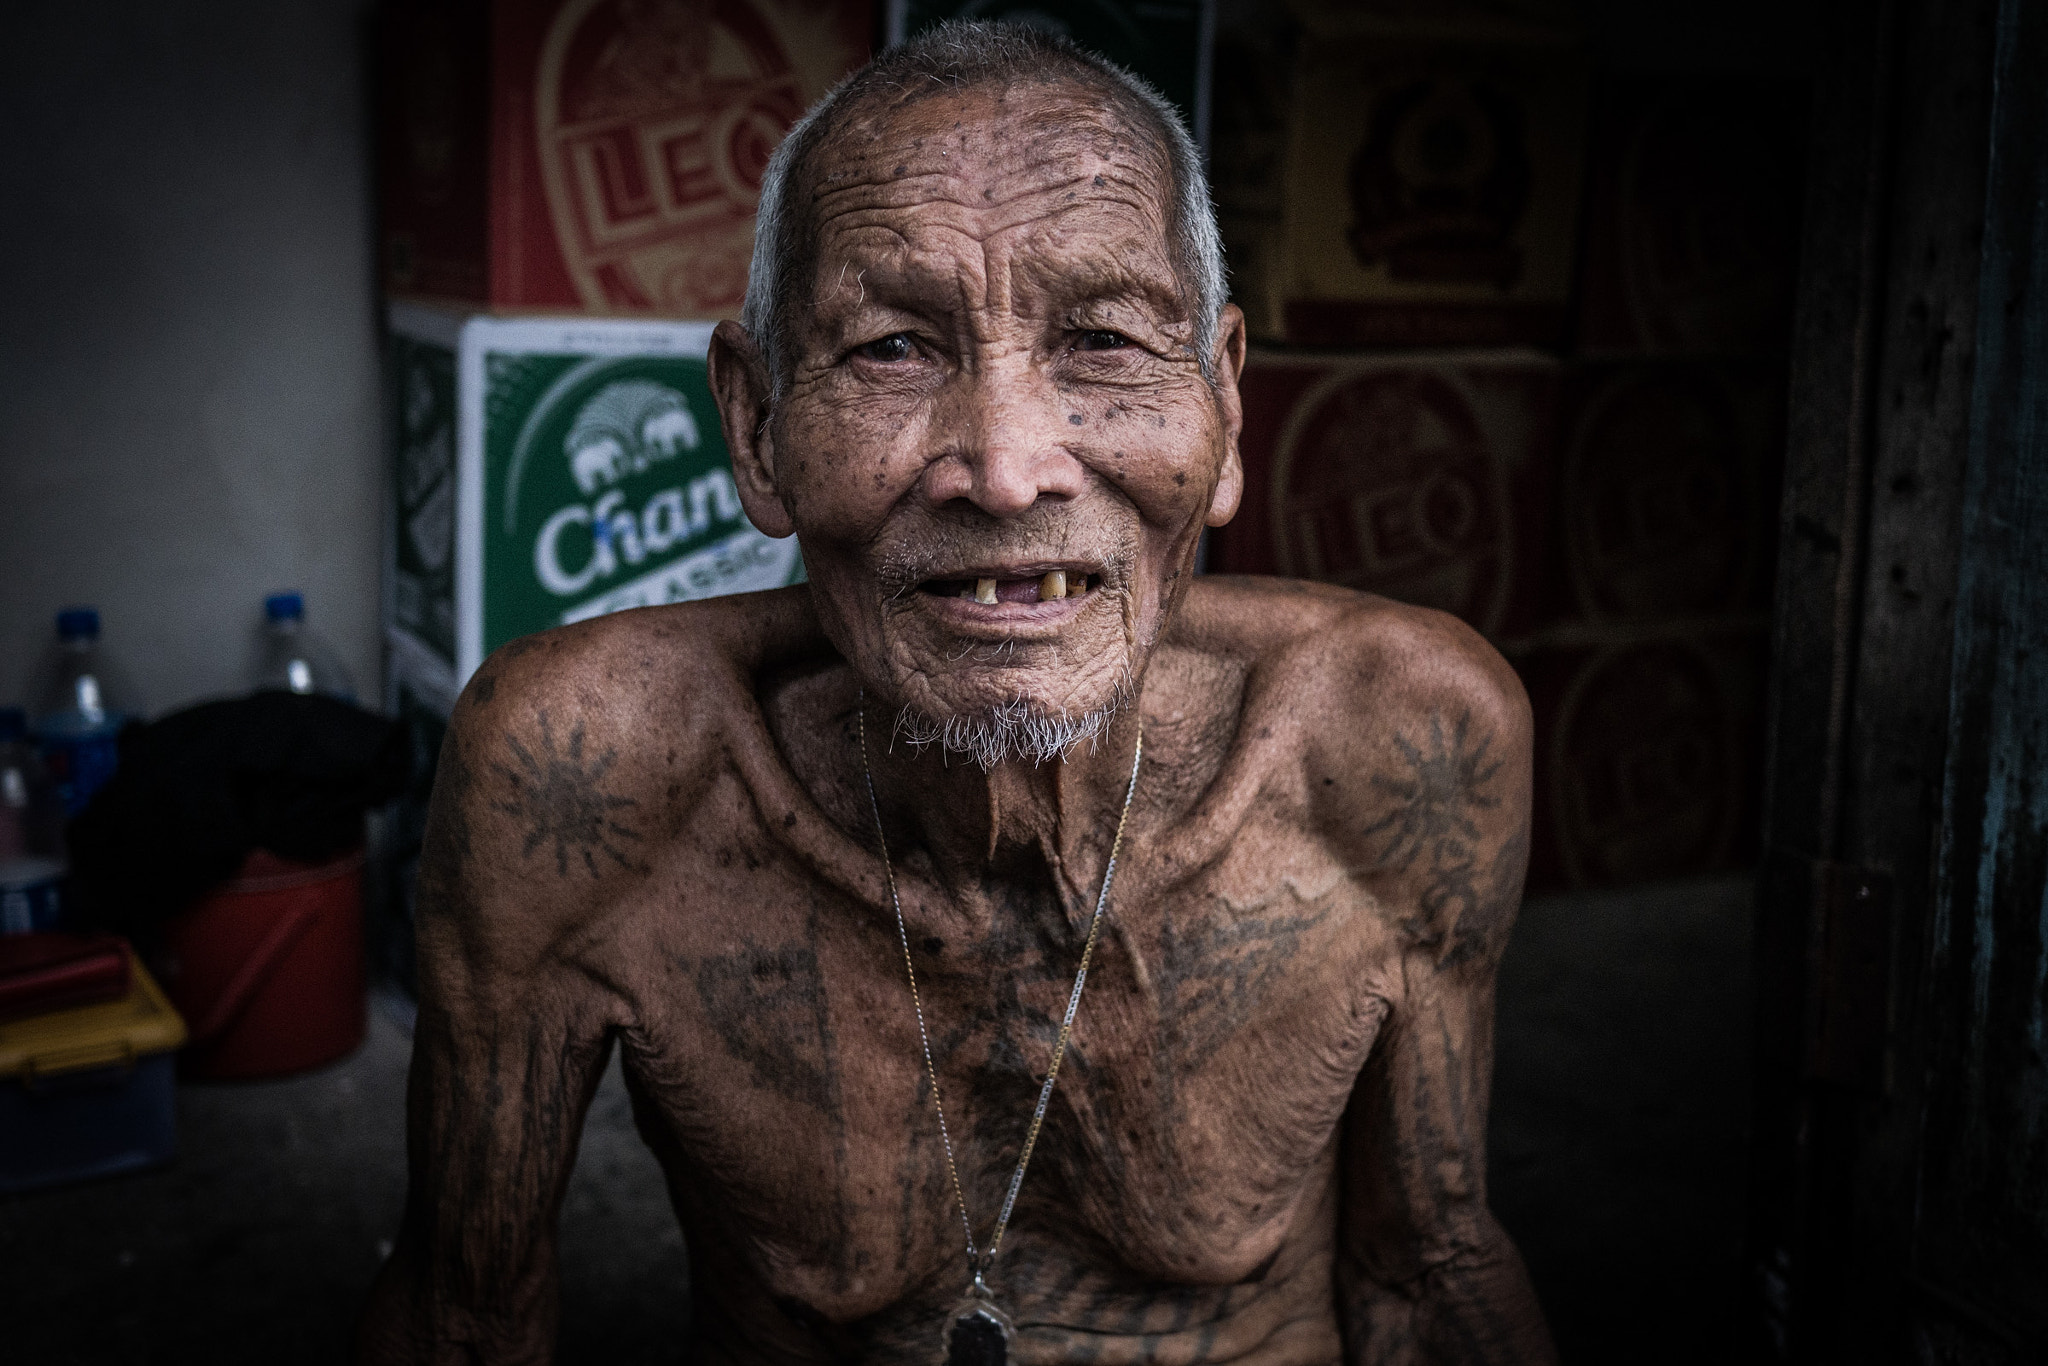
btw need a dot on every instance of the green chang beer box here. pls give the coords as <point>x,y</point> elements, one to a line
<point>1165,41</point>
<point>549,470</point>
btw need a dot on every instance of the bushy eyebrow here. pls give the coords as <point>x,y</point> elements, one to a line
<point>1104,282</point>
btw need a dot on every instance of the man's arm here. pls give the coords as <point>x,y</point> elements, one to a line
<point>526,840</point>
<point>1436,819</point>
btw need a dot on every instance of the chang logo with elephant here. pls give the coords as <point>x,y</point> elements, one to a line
<point>609,488</point>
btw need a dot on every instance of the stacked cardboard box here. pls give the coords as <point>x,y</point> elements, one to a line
<point>1401,175</point>
<point>1602,507</point>
<point>1422,476</point>
<point>1647,670</point>
<point>568,190</point>
<point>600,156</point>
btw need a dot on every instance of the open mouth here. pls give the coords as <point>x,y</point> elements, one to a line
<point>1056,585</point>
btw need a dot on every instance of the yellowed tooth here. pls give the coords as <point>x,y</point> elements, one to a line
<point>985,590</point>
<point>1053,585</point>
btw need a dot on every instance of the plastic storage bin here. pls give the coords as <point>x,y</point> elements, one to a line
<point>88,1092</point>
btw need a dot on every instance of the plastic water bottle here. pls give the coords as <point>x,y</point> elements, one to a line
<point>295,658</point>
<point>31,834</point>
<point>84,704</point>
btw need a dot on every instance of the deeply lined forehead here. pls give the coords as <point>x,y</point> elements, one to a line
<point>988,159</point>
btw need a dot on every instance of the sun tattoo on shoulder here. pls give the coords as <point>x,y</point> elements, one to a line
<point>560,797</point>
<point>1436,793</point>
<point>1435,798</point>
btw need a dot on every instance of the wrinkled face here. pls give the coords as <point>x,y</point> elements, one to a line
<point>996,444</point>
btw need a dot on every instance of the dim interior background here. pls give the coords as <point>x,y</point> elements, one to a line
<point>192,392</point>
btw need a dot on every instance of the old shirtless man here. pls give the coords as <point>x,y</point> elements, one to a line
<point>988,378</point>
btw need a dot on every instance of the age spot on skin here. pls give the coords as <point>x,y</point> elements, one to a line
<point>1075,418</point>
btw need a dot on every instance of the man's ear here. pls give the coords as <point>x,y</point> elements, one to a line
<point>739,383</point>
<point>1228,365</point>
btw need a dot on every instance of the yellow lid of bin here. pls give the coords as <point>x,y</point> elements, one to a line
<point>113,1033</point>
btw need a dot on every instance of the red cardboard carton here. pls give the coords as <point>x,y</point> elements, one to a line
<point>1666,490</point>
<point>601,156</point>
<point>1425,477</point>
<point>1649,747</point>
<point>1692,208</point>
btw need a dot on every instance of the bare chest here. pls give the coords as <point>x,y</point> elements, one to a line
<point>1223,1024</point>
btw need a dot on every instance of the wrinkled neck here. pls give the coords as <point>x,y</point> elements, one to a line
<point>1016,819</point>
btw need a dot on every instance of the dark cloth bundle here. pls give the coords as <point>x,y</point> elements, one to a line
<point>197,790</point>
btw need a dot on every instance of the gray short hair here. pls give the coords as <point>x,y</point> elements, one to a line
<point>965,55</point>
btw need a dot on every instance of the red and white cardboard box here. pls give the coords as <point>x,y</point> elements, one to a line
<point>1423,476</point>
<point>598,156</point>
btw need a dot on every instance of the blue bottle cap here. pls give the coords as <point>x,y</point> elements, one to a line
<point>13,724</point>
<point>78,623</point>
<point>284,607</point>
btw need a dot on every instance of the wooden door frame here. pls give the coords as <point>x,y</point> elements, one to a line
<point>1914,500</point>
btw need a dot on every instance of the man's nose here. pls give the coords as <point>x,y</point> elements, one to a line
<point>1002,435</point>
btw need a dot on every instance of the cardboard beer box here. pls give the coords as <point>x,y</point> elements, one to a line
<point>1165,41</point>
<point>1667,489</point>
<point>601,156</point>
<point>1692,217</point>
<point>1423,476</point>
<point>545,470</point>
<point>1649,753</point>
<point>1431,187</point>
<point>553,469</point>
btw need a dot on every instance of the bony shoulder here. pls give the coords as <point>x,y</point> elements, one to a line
<point>1429,658</point>
<point>646,665</point>
<point>1350,654</point>
<point>606,725</point>
<point>1267,615</point>
<point>1421,737</point>
<point>1364,645</point>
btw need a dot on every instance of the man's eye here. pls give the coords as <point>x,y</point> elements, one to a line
<point>894,347</point>
<point>1100,339</point>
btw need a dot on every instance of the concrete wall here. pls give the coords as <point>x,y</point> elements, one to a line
<point>188,375</point>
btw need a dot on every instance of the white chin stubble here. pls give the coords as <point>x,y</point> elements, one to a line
<point>1012,731</point>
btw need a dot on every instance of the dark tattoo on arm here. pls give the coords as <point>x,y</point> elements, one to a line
<point>502,1126</point>
<point>1481,931</point>
<point>1425,1271</point>
<point>502,1070</point>
<point>560,797</point>
<point>1439,796</point>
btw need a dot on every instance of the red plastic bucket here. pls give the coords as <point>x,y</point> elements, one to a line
<point>268,969</point>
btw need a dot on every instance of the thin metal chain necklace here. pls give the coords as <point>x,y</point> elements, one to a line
<point>979,1333</point>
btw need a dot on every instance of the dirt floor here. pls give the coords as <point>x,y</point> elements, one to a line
<point>1618,1157</point>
